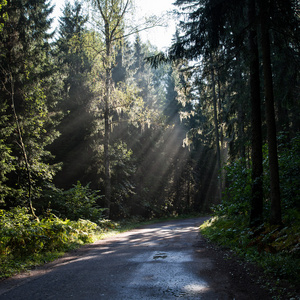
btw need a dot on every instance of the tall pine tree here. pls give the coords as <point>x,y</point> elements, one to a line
<point>73,147</point>
<point>29,91</point>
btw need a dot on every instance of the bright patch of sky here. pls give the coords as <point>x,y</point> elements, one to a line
<point>160,36</point>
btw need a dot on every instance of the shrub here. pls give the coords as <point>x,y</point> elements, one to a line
<point>289,167</point>
<point>20,235</point>
<point>79,202</point>
<point>237,195</point>
<point>275,249</point>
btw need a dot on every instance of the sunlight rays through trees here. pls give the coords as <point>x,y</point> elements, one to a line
<point>152,141</point>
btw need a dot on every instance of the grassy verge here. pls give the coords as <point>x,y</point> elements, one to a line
<point>26,243</point>
<point>274,248</point>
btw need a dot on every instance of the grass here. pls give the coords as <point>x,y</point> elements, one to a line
<point>274,248</point>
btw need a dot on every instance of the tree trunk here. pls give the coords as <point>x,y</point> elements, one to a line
<point>256,213</point>
<point>216,125</point>
<point>107,127</point>
<point>241,111</point>
<point>275,217</point>
<point>22,146</point>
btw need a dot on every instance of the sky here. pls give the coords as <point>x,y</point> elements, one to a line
<point>160,36</point>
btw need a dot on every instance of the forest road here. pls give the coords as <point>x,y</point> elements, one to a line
<point>168,260</point>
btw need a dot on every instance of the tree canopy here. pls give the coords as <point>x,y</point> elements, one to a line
<point>86,109</point>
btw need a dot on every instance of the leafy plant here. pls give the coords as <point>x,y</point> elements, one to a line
<point>275,249</point>
<point>237,195</point>
<point>22,235</point>
<point>289,166</point>
<point>79,202</point>
<point>23,238</point>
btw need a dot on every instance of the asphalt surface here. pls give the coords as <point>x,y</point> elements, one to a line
<point>162,261</point>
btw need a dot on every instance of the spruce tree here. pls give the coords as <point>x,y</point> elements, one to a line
<point>73,147</point>
<point>28,87</point>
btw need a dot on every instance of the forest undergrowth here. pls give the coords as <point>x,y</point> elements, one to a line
<point>26,242</point>
<point>274,248</point>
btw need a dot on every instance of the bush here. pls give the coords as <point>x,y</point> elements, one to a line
<point>289,167</point>
<point>79,202</point>
<point>20,235</point>
<point>237,195</point>
<point>275,249</point>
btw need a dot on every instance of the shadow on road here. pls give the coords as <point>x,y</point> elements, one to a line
<point>160,261</point>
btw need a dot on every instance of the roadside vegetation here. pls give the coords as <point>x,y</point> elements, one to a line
<point>275,248</point>
<point>27,242</point>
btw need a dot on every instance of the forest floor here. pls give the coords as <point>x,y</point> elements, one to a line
<point>160,261</point>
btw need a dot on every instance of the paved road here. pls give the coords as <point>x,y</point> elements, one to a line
<point>161,261</point>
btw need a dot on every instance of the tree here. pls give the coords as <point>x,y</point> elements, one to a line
<point>203,39</point>
<point>3,16</point>
<point>220,25</point>
<point>27,76</point>
<point>256,139</point>
<point>76,126</point>
<point>216,121</point>
<point>281,15</point>
<point>112,15</point>
<point>270,113</point>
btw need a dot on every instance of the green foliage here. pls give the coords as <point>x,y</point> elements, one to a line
<point>289,172</point>
<point>79,202</point>
<point>6,162</point>
<point>123,169</point>
<point>22,237</point>
<point>289,167</point>
<point>29,84</point>
<point>237,195</point>
<point>275,249</point>
<point>232,233</point>
<point>3,16</point>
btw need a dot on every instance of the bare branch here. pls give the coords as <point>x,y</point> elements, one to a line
<point>119,19</point>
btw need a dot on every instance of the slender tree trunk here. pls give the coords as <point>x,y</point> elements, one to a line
<point>223,156</point>
<point>241,111</point>
<point>257,158</point>
<point>188,185</point>
<point>107,127</point>
<point>213,81</point>
<point>275,217</point>
<point>22,146</point>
